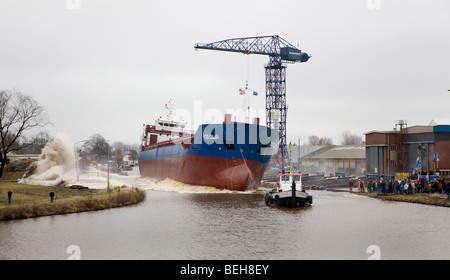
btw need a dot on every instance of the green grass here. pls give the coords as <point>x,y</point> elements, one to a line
<point>34,201</point>
<point>420,198</point>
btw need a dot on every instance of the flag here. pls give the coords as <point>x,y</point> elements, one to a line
<point>241,91</point>
<point>255,93</point>
<point>418,159</point>
<point>436,157</point>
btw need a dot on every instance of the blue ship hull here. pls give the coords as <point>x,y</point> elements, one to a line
<point>229,155</point>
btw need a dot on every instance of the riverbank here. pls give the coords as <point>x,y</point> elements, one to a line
<point>421,198</point>
<point>29,201</point>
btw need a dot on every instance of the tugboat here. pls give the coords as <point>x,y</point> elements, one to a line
<point>289,192</point>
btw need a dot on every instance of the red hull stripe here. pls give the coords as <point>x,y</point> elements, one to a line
<point>223,173</point>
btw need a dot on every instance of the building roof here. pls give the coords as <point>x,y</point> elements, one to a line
<point>14,155</point>
<point>436,125</point>
<point>338,152</point>
<point>437,122</point>
<point>418,129</point>
<point>379,131</point>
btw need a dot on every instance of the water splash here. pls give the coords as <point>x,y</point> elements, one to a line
<point>169,185</point>
<point>56,164</point>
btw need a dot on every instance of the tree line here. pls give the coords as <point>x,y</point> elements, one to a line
<point>97,150</point>
<point>347,139</point>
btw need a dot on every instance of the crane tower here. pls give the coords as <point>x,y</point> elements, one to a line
<point>279,52</point>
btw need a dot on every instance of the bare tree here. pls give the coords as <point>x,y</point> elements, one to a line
<point>133,155</point>
<point>313,140</point>
<point>19,113</point>
<point>316,141</point>
<point>351,139</point>
<point>118,155</point>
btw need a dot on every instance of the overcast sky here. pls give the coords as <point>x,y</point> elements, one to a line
<point>109,66</point>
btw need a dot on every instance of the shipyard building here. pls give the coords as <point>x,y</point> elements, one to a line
<point>335,160</point>
<point>420,148</point>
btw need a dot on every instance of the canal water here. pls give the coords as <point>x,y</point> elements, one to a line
<point>204,224</point>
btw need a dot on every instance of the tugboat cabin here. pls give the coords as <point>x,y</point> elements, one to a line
<point>286,179</point>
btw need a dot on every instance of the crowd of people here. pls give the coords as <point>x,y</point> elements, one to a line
<point>408,186</point>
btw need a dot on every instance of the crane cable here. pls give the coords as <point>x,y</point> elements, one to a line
<point>248,168</point>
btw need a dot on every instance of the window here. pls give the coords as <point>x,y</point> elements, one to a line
<point>394,147</point>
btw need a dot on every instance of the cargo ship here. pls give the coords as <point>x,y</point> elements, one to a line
<point>230,155</point>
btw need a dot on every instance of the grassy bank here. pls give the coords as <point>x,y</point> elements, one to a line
<point>34,201</point>
<point>428,199</point>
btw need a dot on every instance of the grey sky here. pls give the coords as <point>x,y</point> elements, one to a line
<point>110,66</point>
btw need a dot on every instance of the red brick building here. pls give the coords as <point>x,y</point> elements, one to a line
<point>409,149</point>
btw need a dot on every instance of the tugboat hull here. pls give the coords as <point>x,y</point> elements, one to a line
<point>285,199</point>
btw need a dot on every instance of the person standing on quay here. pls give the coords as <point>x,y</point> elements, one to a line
<point>52,196</point>
<point>9,197</point>
<point>447,189</point>
<point>361,186</point>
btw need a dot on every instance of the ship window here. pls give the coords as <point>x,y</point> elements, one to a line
<point>285,178</point>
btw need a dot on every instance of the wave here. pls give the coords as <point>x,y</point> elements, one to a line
<point>55,166</point>
<point>169,185</point>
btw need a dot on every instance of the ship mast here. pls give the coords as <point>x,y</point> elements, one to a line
<point>290,158</point>
<point>169,107</point>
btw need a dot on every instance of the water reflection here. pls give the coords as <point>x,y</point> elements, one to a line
<point>172,225</point>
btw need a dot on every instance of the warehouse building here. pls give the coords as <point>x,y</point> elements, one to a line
<point>331,160</point>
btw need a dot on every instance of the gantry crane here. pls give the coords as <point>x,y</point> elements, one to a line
<point>279,52</point>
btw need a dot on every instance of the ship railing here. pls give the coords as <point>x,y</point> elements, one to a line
<point>157,145</point>
<point>154,129</point>
<point>185,142</point>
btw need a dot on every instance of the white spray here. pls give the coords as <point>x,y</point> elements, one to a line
<point>56,164</point>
